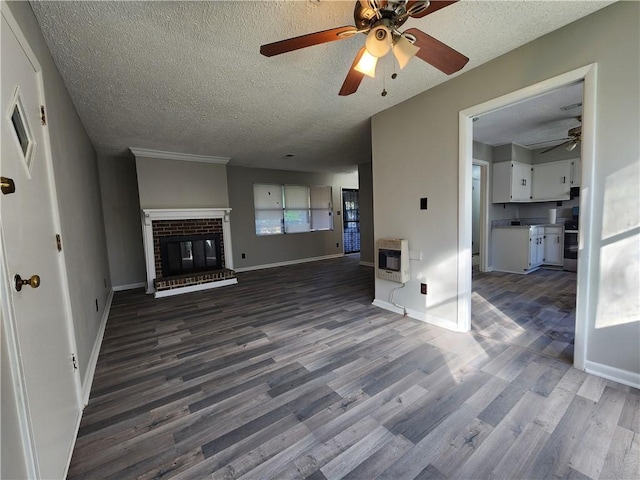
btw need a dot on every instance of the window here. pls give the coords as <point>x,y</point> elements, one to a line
<point>291,208</point>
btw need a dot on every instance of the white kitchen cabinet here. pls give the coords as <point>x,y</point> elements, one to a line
<point>551,181</point>
<point>576,172</point>
<point>536,246</point>
<point>518,249</point>
<point>511,182</point>
<point>553,245</point>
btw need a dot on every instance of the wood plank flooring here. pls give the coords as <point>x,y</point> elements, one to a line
<point>536,311</point>
<point>293,373</point>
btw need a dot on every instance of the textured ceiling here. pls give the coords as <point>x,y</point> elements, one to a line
<point>539,122</point>
<point>187,77</point>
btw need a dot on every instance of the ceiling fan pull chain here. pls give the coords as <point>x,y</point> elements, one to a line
<point>384,78</point>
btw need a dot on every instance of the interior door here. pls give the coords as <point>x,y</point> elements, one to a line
<point>37,323</point>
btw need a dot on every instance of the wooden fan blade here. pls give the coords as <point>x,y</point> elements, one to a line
<point>303,41</point>
<point>436,53</point>
<point>434,6</point>
<point>354,77</point>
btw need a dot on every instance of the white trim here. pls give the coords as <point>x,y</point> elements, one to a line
<point>416,315</point>
<point>584,307</point>
<point>288,262</point>
<point>15,364</point>
<point>130,286</point>
<point>95,352</point>
<point>195,288</point>
<point>624,377</point>
<point>367,264</point>
<point>183,157</point>
<point>387,306</point>
<point>151,214</point>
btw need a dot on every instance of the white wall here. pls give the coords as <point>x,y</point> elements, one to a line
<point>430,168</point>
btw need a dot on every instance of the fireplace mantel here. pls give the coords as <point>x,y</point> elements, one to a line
<point>149,215</point>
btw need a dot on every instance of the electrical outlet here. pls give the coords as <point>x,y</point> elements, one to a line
<point>423,288</point>
<point>244,256</point>
<point>423,203</point>
<point>337,245</point>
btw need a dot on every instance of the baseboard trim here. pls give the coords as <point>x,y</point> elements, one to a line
<point>367,264</point>
<point>194,288</point>
<point>131,286</point>
<point>93,359</point>
<point>416,315</point>
<point>625,377</point>
<point>289,262</point>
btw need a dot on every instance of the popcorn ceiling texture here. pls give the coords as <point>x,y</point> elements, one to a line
<point>188,77</point>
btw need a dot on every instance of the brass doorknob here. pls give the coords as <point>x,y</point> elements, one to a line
<point>33,282</point>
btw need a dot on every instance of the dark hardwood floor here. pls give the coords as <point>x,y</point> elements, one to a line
<point>293,373</point>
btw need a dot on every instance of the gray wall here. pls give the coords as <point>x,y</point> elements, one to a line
<point>179,184</point>
<point>412,171</point>
<point>266,250</point>
<point>121,208</point>
<point>78,191</point>
<point>365,197</point>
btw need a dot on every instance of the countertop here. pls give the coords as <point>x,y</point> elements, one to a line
<point>530,226</point>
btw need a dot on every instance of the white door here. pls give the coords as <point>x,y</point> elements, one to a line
<point>520,182</point>
<point>38,327</point>
<point>551,181</point>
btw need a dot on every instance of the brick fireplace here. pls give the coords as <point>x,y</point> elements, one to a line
<point>194,245</point>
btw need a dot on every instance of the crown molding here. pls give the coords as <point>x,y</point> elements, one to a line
<point>183,157</point>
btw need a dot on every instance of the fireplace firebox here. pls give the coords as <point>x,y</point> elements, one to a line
<point>190,254</point>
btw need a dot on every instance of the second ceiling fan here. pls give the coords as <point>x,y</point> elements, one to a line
<point>380,20</point>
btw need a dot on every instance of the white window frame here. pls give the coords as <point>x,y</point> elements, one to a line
<point>311,206</point>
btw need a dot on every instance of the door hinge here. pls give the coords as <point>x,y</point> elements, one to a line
<point>58,242</point>
<point>73,360</point>
<point>43,117</point>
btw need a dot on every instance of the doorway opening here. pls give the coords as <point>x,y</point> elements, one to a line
<point>479,215</point>
<point>350,220</point>
<point>583,311</point>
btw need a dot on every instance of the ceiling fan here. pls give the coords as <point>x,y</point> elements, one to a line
<point>573,138</point>
<point>380,20</point>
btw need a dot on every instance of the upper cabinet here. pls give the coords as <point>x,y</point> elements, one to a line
<point>576,172</point>
<point>511,182</point>
<point>551,181</point>
<point>543,182</point>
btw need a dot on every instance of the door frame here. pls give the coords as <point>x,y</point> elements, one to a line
<point>585,277</point>
<point>8,310</point>
<point>343,221</point>
<point>484,213</point>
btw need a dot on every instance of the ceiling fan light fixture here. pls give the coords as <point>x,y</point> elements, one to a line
<point>404,51</point>
<point>379,41</point>
<point>367,64</point>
